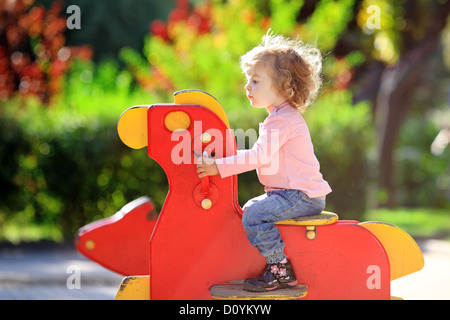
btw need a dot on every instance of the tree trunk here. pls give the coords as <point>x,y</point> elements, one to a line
<point>394,98</point>
<point>392,105</point>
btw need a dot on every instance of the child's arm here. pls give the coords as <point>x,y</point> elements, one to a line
<point>273,136</point>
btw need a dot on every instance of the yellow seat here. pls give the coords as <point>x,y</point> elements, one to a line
<point>311,222</point>
<point>321,219</point>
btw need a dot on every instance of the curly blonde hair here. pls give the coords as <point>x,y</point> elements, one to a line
<point>295,67</point>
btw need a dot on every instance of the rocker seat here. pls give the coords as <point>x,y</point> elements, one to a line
<point>311,222</point>
<point>237,292</point>
<point>322,219</point>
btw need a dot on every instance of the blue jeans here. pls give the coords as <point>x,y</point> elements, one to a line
<point>261,214</point>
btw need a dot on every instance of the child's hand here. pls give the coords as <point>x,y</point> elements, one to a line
<point>206,167</point>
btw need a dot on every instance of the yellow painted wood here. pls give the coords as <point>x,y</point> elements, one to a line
<point>405,256</point>
<point>132,127</point>
<point>134,288</point>
<point>177,121</point>
<point>237,292</point>
<point>322,219</point>
<point>202,98</point>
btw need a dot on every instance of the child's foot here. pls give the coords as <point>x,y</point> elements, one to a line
<point>274,276</point>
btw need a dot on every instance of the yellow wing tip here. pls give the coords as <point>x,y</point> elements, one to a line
<point>405,256</point>
<point>134,288</point>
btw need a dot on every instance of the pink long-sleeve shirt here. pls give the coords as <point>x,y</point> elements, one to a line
<point>283,155</point>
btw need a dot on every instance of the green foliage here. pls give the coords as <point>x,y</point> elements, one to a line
<point>422,177</point>
<point>67,176</point>
<point>328,22</point>
<point>342,135</point>
<point>284,14</point>
<point>66,166</point>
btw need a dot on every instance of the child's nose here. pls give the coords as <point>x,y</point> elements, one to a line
<point>247,86</point>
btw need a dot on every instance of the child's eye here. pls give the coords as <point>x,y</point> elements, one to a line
<point>254,81</point>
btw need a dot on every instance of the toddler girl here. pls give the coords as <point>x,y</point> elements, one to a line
<point>283,76</point>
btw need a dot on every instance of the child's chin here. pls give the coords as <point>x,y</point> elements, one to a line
<point>255,105</point>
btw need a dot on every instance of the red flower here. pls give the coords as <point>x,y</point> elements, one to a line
<point>159,29</point>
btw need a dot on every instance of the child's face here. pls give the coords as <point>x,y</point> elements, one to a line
<point>260,88</point>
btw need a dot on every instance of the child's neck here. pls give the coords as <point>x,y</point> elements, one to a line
<point>274,106</point>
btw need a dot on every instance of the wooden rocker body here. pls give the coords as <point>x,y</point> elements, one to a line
<point>197,245</point>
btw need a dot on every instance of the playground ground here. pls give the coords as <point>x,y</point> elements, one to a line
<point>49,272</point>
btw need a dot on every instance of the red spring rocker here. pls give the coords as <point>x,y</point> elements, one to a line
<point>196,248</point>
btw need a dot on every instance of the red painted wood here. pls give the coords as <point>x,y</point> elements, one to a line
<point>121,241</point>
<point>336,263</point>
<point>192,249</point>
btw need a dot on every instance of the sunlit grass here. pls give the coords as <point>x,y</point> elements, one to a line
<point>418,222</point>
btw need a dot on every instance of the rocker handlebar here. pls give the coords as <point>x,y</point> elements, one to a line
<point>206,188</point>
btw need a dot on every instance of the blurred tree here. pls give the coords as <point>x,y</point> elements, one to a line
<point>408,37</point>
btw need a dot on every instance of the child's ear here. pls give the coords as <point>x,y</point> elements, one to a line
<point>132,127</point>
